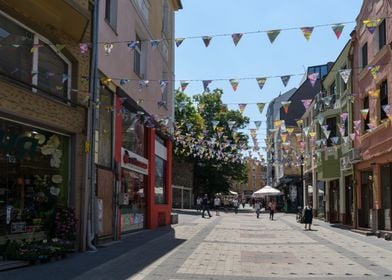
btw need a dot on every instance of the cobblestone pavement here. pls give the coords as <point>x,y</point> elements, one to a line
<point>239,246</point>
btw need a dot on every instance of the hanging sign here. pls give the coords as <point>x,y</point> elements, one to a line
<point>132,161</point>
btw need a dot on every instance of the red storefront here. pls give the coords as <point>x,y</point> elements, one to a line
<point>143,169</point>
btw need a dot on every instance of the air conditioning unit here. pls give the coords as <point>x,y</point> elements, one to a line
<point>355,155</point>
<point>345,164</point>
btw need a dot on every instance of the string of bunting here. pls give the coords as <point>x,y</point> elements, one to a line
<point>272,34</point>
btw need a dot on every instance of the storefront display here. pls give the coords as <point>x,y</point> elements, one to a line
<point>133,207</point>
<point>34,180</point>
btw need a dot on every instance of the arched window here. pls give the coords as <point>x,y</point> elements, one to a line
<point>30,58</point>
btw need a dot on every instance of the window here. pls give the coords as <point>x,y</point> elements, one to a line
<point>383,99</point>
<point>332,89</point>
<point>366,106</point>
<point>132,132</point>
<point>382,35</point>
<point>386,181</point>
<point>322,70</point>
<point>35,177</point>
<point>331,122</point>
<point>344,85</point>
<point>105,128</point>
<point>364,55</point>
<point>160,180</point>
<point>165,19</point>
<point>29,58</point>
<point>111,13</point>
<point>137,58</point>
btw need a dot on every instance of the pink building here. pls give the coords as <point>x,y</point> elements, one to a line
<point>372,71</point>
<point>136,111</point>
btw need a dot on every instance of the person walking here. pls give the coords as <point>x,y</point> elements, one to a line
<point>272,208</point>
<point>217,203</point>
<point>308,216</point>
<point>236,204</point>
<point>198,204</point>
<point>257,207</point>
<point>205,206</point>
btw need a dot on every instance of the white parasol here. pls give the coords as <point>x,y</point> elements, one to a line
<point>267,191</point>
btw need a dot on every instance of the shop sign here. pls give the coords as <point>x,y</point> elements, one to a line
<point>18,227</point>
<point>134,162</point>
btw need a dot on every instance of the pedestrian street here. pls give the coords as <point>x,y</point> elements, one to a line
<point>242,247</point>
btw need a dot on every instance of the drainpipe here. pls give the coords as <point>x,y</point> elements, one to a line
<point>91,129</point>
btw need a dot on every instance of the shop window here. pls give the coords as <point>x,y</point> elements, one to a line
<point>160,180</point>
<point>34,180</point>
<point>133,207</point>
<point>165,19</point>
<point>105,128</point>
<point>133,132</point>
<point>383,99</point>
<point>29,58</point>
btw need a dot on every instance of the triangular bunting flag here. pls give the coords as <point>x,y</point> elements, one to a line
<point>234,84</point>
<point>277,123</point>
<point>285,79</point>
<point>257,124</point>
<point>345,74</point>
<point>313,78</point>
<point>179,41</point>
<point>286,105</point>
<point>108,47</point>
<point>306,130</point>
<point>307,31</point>
<point>132,44</point>
<point>261,107</point>
<point>343,117</point>
<point>236,38</point>
<point>327,133</point>
<point>312,134</point>
<point>184,84</point>
<point>283,136</point>
<point>206,40</point>
<point>272,34</point>
<point>387,109</point>
<point>371,25</point>
<point>261,82</point>
<point>327,100</point>
<point>364,113</point>
<point>335,140</point>
<point>306,103</point>
<point>162,85</point>
<point>300,123</point>
<point>206,83</point>
<point>242,107</point>
<point>83,48</point>
<point>154,43</point>
<point>374,93</point>
<point>320,119</point>
<point>352,136</point>
<point>374,70</point>
<point>337,29</point>
<point>290,130</point>
<point>214,124</point>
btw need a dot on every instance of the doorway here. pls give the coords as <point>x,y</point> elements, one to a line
<point>366,199</point>
<point>349,199</point>
<point>334,201</point>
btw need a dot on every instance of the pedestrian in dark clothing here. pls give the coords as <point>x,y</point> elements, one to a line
<point>205,206</point>
<point>308,216</point>
<point>272,208</point>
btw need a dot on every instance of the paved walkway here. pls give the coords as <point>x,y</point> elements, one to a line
<point>228,247</point>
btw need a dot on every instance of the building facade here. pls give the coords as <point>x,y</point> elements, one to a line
<point>372,70</point>
<point>333,115</point>
<point>136,68</point>
<point>43,116</point>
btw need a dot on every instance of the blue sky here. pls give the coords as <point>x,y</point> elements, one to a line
<point>255,56</point>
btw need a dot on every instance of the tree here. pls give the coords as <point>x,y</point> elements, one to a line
<point>208,136</point>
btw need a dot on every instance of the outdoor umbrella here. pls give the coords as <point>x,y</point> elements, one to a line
<point>267,191</point>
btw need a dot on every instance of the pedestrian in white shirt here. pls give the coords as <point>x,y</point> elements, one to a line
<point>257,207</point>
<point>217,203</point>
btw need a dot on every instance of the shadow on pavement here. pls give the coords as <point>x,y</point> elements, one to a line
<point>134,253</point>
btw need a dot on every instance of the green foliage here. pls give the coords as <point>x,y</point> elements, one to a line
<point>208,136</point>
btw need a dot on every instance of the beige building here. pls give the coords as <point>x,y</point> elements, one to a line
<point>42,116</point>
